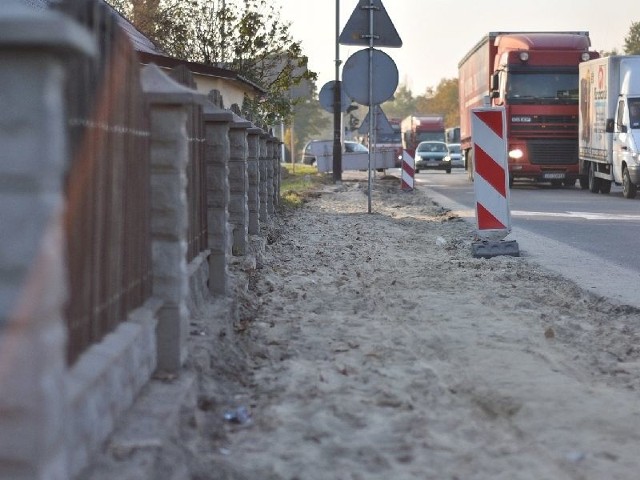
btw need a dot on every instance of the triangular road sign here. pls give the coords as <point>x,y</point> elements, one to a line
<point>356,31</point>
<point>383,127</point>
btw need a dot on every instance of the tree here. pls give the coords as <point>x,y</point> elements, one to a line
<point>632,40</point>
<point>245,36</point>
<point>443,100</point>
<point>609,53</point>
<point>401,105</point>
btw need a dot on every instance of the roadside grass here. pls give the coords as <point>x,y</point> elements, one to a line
<point>299,181</point>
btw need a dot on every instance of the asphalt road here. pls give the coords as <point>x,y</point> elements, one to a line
<point>590,238</point>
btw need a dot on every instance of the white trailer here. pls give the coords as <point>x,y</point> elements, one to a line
<point>609,124</point>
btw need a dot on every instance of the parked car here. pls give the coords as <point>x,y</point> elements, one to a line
<point>325,147</point>
<point>455,156</point>
<point>432,155</point>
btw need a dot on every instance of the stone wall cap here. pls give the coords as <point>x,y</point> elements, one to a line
<point>162,89</point>
<point>24,27</point>
<point>255,130</point>
<point>239,122</point>
<point>212,113</point>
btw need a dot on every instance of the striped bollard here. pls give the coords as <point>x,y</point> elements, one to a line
<point>408,172</point>
<point>491,183</point>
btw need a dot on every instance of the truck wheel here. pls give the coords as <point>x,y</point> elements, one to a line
<point>605,186</point>
<point>629,189</point>
<point>448,170</point>
<point>594,182</point>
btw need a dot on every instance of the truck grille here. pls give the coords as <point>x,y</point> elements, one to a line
<point>553,152</point>
<point>546,125</point>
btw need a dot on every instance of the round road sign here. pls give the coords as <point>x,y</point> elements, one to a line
<point>325,97</point>
<point>356,72</point>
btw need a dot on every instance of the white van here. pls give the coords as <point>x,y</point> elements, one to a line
<point>316,148</point>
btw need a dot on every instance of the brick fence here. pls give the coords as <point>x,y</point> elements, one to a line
<point>125,195</point>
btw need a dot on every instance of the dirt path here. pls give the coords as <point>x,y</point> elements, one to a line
<point>378,348</point>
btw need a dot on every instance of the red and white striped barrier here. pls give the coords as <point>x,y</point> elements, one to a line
<point>408,172</point>
<point>491,172</point>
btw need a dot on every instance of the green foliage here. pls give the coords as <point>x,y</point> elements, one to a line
<point>246,36</point>
<point>442,100</point>
<point>310,122</point>
<point>632,40</point>
<point>402,105</point>
<point>298,182</point>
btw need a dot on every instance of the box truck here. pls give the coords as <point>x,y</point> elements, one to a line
<point>609,124</point>
<point>534,76</point>
<point>420,128</point>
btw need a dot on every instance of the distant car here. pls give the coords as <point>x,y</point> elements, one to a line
<point>315,148</point>
<point>455,156</point>
<point>432,155</point>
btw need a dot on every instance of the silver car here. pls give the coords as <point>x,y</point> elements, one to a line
<point>455,155</point>
<point>432,155</point>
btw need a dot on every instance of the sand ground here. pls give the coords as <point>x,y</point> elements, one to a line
<point>374,346</point>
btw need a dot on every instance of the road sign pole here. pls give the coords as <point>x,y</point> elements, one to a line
<point>371,115</point>
<point>337,108</point>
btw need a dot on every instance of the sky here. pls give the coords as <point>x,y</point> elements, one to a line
<point>436,34</point>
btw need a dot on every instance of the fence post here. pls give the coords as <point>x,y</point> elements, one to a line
<point>264,159</point>
<point>277,172</point>
<point>270,176</point>
<point>239,185</point>
<point>33,285</point>
<point>253,168</point>
<point>218,149</point>
<point>169,101</point>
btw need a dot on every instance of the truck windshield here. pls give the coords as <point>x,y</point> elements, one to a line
<point>426,136</point>
<point>389,138</point>
<point>538,87</point>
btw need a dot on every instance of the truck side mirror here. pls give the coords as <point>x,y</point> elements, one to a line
<point>609,125</point>
<point>495,81</point>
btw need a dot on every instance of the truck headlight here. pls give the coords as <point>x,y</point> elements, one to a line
<point>516,153</point>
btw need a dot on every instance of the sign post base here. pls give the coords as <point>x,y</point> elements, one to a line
<point>491,248</point>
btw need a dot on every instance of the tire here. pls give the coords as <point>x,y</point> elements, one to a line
<point>448,170</point>
<point>417,170</point>
<point>605,186</point>
<point>594,182</point>
<point>629,189</point>
<point>510,180</point>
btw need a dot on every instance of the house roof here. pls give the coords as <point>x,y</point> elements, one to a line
<point>198,68</point>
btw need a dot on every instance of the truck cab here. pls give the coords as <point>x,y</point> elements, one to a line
<point>626,140</point>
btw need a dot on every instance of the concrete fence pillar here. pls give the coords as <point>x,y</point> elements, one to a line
<point>270,176</point>
<point>33,279</point>
<point>253,168</point>
<point>277,172</point>
<point>169,101</point>
<point>264,196</point>
<point>239,185</point>
<point>217,154</point>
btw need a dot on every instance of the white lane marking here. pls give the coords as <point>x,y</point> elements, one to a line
<point>583,215</point>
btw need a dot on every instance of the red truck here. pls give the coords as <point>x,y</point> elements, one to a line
<point>420,128</point>
<point>534,76</point>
